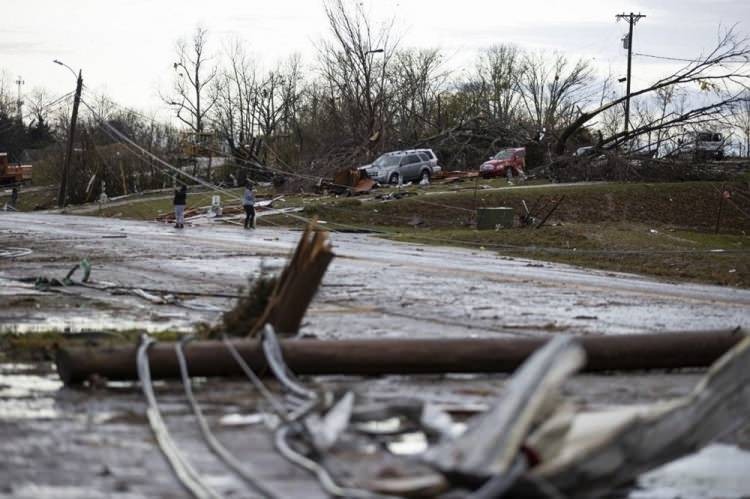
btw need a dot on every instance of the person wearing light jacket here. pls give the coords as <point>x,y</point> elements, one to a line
<point>248,202</point>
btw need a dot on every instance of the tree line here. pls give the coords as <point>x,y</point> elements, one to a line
<point>367,93</point>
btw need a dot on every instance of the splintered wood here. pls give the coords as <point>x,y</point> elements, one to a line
<point>298,283</point>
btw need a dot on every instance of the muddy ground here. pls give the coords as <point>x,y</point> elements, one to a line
<point>95,442</point>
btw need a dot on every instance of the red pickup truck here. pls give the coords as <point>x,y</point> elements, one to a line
<point>512,158</point>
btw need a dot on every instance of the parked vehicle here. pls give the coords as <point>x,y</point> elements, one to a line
<point>13,174</point>
<point>404,166</point>
<point>512,159</point>
<point>585,151</point>
<point>703,145</point>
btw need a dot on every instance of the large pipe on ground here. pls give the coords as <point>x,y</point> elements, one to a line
<point>400,356</point>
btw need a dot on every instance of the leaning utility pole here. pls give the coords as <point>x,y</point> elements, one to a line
<point>69,153</point>
<point>628,44</point>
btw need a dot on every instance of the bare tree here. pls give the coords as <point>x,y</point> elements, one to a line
<point>354,66</point>
<point>37,103</point>
<point>6,96</point>
<point>235,96</point>
<point>417,80</point>
<point>497,74</point>
<point>190,98</point>
<point>552,90</point>
<point>254,108</point>
<point>724,71</point>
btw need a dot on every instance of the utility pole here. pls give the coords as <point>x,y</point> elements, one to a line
<point>61,198</point>
<point>632,19</point>
<point>19,102</point>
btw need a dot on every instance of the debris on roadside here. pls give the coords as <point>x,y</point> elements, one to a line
<point>43,283</point>
<point>457,176</point>
<point>530,442</point>
<point>155,296</point>
<point>349,181</point>
<point>536,216</point>
<point>529,439</point>
<point>364,186</point>
<point>554,207</point>
<point>223,213</point>
<point>390,196</point>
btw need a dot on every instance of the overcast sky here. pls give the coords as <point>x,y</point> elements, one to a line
<point>126,47</point>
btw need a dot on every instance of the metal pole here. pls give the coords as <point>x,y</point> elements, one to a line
<point>61,199</point>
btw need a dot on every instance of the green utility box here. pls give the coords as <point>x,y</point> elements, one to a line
<point>494,218</point>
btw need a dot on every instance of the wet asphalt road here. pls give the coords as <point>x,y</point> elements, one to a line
<point>374,287</point>
<point>61,442</point>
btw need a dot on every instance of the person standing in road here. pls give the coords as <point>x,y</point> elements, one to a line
<point>248,202</point>
<point>14,198</point>
<point>180,200</point>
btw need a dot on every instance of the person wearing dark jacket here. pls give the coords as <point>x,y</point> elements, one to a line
<point>180,200</point>
<point>14,197</point>
<point>248,202</point>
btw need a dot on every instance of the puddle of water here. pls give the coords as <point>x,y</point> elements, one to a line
<point>14,368</point>
<point>24,409</point>
<point>717,471</point>
<point>26,396</point>
<point>101,323</point>
<point>25,385</point>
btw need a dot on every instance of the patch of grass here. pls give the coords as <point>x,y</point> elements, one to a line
<point>632,248</point>
<point>150,207</point>
<point>349,203</point>
<point>31,200</point>
<point>240,320</point>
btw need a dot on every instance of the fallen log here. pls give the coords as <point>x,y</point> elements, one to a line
<point>400,356</point>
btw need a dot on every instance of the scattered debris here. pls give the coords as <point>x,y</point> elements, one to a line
<point>9,252</point>
<point>395,195</point>
<point>550,212</point>
<point>364,186</point>
<point>530,439</point>
<point>457,176</point>
<point>218,212</point>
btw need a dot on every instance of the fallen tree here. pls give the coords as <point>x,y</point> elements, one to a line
<point>724,71</point>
